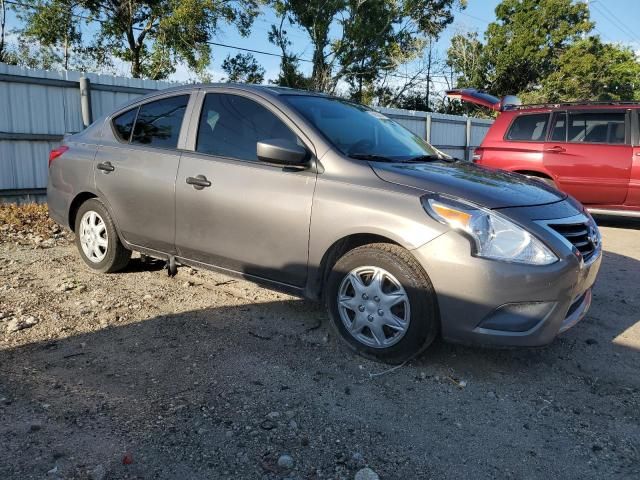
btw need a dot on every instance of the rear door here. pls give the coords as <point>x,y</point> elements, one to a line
<point>589,154</point>
<point>633,197</point>
<point>136,170</point>
<point>245,215</point>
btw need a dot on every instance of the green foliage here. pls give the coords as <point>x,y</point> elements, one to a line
<point>465,57</point>
<point>375,36</point>
<point>591,70</point>
<point>156,34</point>
<point>526,38</point>
<point>289,75</point>
<point>153,35</point>
<point>243,68</point>
<point>536,49</point>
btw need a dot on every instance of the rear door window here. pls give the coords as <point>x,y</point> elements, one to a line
<point>559,128</point>
<point>158,123</point>
<point>529,128</point>
<point>232,125</point>
<point>597,127</point>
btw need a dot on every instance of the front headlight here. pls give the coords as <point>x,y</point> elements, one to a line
<point>493,235</point>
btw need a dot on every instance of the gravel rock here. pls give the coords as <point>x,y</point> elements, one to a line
<point>285,461</point>
<point>98,473</point>
<point>366,474</point>
<point>21,323</point>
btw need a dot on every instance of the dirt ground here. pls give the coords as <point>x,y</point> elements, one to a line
<point>137,375</point>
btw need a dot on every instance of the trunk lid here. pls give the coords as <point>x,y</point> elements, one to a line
<point>484,99</point>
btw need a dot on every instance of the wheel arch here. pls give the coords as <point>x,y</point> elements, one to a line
<point>534,173</point>
<point>82,197</point>
<point>318,274</point>
<point>75,205</point>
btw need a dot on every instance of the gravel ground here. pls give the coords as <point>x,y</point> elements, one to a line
<point>137,375</point>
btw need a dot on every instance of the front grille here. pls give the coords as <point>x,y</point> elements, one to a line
<point>583,236</point>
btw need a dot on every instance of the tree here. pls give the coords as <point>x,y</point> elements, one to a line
<point>591,70</point>
<point>154,35</point>
<point>290,75</point>
<point>465,58</point>
<point>373,36</point>
<point>3,23</point>
<point>526,39</point>
<point>53,23</point>
<point>243,68</point>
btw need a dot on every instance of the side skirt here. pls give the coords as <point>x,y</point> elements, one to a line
<point>263,282</point>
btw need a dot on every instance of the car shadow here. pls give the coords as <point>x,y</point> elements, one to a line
<point>198,393</point>
<point>630,223</point>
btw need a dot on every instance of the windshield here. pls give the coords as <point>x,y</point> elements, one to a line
<point>360,132</point>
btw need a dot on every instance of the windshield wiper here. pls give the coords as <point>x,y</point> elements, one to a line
<point>424,158</point>
<point>370,156</point>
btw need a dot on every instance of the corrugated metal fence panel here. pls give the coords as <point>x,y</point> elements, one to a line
<point>24,164</point>
<point>40,109</point>
<point>479,131</point>
<point>447,131</point>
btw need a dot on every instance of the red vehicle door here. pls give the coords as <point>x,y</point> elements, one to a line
<point>633,197</point>
<point>590,155</point>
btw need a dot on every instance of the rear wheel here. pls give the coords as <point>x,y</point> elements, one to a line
<point>382,303</point>
<point>97,239</point>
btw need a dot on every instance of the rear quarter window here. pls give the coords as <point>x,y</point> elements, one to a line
<point>528,128</point>
<point>123,124</point>
<point>158,123</point>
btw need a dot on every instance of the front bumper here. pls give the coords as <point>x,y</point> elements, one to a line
<point>489,302</point>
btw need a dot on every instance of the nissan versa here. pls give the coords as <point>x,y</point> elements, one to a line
<point>329,200</point>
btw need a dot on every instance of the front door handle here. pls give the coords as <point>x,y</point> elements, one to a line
<point>198,182</point>
<point>556,149</point>
<point>106,167</point>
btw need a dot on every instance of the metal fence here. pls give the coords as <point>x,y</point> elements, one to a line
<point>38,107</point>
<point>455,135</point>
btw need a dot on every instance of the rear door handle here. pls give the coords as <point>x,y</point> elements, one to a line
<point>106,167</point>
<point>555,149</point>
<point>198,182</point>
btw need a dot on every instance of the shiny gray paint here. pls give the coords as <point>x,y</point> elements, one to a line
<point>281,226</point>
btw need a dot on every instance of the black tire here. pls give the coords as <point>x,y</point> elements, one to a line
<point>117,256</point>
<point>424,318</point>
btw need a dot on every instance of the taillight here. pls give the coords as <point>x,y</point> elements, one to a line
<point>56,152</point>
<point>477,155</point>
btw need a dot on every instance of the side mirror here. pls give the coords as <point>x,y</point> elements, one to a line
<point>282,152</point>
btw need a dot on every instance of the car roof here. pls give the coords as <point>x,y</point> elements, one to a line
<point>550,107</point>
<point>264,90</point>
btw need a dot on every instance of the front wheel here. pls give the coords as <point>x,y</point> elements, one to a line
<point>382,303</point>
<point>97,239</point>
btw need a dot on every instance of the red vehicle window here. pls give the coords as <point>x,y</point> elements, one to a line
<point>597,127</point>
<point>559,127</point>
<point>529,128</point>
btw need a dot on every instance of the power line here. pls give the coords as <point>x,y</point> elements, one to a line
<point>614,20</point>
<point>431,78</point>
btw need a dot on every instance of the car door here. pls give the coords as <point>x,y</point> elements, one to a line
<point>136,169</point>
<point>590,155</point>
<point>633,197</point>
<point>234,211</point>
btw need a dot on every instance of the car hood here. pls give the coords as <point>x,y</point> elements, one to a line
<point>486,187</point>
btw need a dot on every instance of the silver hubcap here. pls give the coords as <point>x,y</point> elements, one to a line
<point>374,307</point>
<point>93,236</point>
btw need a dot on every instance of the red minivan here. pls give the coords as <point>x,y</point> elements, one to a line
<point>589,150</point>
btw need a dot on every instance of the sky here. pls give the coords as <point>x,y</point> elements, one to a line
<point>616,21</point>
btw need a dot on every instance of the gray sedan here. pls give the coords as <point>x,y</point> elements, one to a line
<point>331,201</point>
